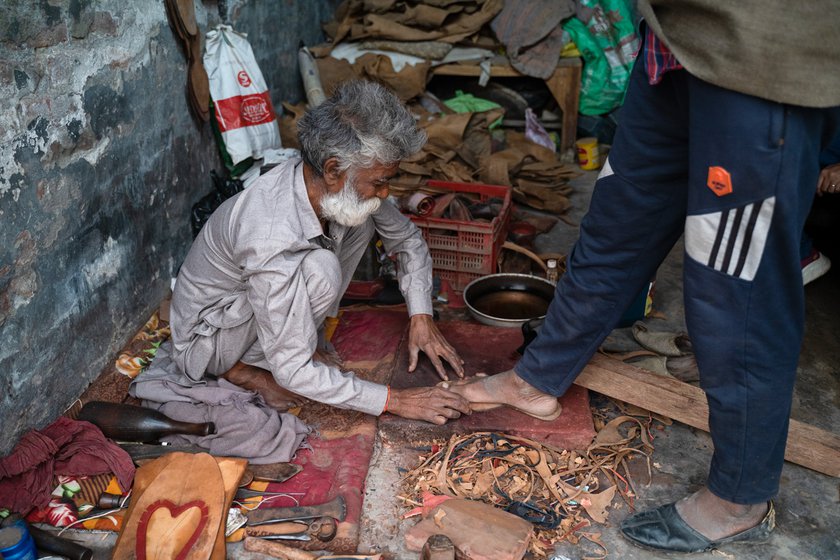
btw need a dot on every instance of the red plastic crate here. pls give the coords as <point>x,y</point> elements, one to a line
<point>463,251</point>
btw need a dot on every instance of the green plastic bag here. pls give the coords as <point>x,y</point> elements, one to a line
<point>468,103</point>
<point>609,29</point>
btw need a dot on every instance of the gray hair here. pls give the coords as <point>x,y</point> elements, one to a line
<point>361,125</point>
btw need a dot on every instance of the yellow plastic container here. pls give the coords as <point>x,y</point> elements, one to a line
<point>587,153</point>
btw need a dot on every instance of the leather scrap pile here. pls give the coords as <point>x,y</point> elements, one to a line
<point>528,31</point>
<point>559,492</point>
<point>448,21</point>
<point>460,148</point>
<point>375,38</point>
<point>398,42</point>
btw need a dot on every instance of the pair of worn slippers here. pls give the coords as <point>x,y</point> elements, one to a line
<point>181,15</point>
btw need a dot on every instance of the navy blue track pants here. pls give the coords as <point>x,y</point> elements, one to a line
<point>736,174</point>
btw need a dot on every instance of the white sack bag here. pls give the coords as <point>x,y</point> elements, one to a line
<point>243,107</point>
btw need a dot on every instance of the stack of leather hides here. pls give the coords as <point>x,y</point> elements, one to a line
<point>179,508</point>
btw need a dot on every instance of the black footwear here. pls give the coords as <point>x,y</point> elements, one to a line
<point>663,529</point>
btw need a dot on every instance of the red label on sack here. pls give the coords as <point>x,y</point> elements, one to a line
<point>244,78</point>
<point>255,110</point>
<point>244,110</point>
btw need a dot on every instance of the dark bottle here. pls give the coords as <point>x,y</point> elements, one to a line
<point>50,542</point>
<point>125,422</point>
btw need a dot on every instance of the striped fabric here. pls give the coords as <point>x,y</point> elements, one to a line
<point>731,241</point>
<point>91,487</point>
<point>658,58</point>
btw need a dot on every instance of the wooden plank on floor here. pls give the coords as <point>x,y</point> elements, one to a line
<point>808,446</point>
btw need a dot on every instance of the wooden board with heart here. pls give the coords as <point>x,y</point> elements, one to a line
<point>232,469</point>
<point>178,514</point>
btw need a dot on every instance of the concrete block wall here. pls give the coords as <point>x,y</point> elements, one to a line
<point>100,163</point>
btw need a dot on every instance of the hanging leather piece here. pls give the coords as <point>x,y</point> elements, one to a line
<point>181,15</point>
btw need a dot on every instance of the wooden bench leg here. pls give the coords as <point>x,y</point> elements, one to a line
<point>564,85</point>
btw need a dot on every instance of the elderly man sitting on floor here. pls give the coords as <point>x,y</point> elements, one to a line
<point>272,263</point>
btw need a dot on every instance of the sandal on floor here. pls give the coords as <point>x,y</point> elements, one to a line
<point>683,368</point>
<point>663,529</point>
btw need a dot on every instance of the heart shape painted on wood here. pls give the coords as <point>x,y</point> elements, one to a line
<point>167,531</point>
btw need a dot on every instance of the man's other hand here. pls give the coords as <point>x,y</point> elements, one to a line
<point>424,335</point>
<point>432,404</point>
<point>829,181</point>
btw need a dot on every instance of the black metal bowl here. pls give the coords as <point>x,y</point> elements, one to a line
<point>508,300</point>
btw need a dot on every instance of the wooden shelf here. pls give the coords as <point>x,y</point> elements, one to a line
<point>564,85</point>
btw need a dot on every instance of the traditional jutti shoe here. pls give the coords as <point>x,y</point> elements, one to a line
<point>663,528</point>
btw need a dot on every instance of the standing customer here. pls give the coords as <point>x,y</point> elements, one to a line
<point>720,135</point>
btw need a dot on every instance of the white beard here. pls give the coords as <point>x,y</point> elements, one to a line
<point>346,207</point>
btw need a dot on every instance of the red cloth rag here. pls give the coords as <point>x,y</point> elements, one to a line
<point>65,447</point>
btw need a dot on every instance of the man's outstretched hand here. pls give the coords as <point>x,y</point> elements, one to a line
<point>424,335</point>
<point>432,404</point>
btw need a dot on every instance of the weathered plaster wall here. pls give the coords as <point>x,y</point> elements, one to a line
<point>100,162</point>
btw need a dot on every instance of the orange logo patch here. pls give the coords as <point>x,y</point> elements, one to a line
<point>719,181</point>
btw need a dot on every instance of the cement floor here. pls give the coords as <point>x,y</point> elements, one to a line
<point>807,507</point>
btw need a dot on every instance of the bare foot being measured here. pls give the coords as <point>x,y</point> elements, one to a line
<point>485,392</point>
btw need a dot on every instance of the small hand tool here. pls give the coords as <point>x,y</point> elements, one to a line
<point>336,508</point>
<point>322,528</point>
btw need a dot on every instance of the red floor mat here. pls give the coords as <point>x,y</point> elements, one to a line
<point>368,334</point>
<point>491,350</point>
<point>331,468</point>
<point>367,339</point>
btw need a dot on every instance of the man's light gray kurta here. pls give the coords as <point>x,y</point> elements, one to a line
<point>244,272</point>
